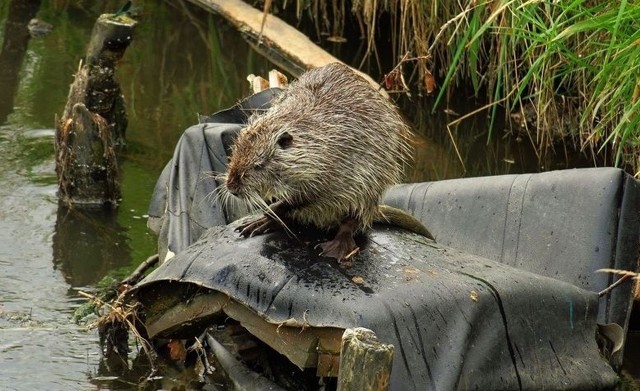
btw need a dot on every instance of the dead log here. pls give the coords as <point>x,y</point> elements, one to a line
<point>94,121</point>
<point>281,43</point>
<point>365,362</point>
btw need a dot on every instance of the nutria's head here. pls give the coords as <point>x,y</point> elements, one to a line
<point>259,158</point>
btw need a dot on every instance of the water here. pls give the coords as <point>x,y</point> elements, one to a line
<point>39,347</point>
<point>47,253</point>
<point>182,61</point>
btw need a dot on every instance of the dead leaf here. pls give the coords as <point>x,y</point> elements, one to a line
<point>451,112</point>
<point>336,39</point>
<point>358,280</point>
<point>429,82</point>
<point>393,80</point>
<point>474,296</point>
<point>177,351</point>
<point>636,93</point>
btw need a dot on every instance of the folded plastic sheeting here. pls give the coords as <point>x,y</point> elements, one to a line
<point>561,224</point>
<point>457,321</point>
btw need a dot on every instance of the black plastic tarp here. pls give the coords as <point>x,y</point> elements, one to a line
<point>562,224</point>
<point>505,300</point>
<point>457,321</point>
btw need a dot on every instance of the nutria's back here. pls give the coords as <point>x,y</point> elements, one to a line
<point>330,145</point>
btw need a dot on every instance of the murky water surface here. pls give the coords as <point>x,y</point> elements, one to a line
<point>183,61</point>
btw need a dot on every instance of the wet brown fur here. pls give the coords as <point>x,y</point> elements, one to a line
<point>329,147</point>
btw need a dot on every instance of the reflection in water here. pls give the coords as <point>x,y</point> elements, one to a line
<point>87,244</point>
<point>466,149</point>
<point>39,347</point>
<point>14,48</point>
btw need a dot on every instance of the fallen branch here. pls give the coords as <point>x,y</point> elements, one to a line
<point>137,274</point>
<point>269,35</point>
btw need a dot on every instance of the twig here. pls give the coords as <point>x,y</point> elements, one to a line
<point>265,12</point>
<point>617,283</point>
<point>198,347</point>
<point>405,58</point>
<point>455,146</point>
<point>476,111</point>
<point>137,274</point>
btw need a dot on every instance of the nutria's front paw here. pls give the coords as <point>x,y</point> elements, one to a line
<point>257,226</point>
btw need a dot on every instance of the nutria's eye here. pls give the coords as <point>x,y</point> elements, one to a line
<point>285,140</point>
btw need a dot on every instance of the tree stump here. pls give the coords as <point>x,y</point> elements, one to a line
<point>365,362</point>
<point>94,120</point>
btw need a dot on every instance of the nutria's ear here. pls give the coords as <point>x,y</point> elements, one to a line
<point>285,140</point>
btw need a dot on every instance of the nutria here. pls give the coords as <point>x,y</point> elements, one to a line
<point>322,155</point>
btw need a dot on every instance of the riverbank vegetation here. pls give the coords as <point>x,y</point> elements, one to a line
<point>567,71</point>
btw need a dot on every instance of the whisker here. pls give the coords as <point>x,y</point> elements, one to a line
<point>269,212</point>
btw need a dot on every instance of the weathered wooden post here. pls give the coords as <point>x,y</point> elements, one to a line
<point>94,121</point>
<point>365,362</point>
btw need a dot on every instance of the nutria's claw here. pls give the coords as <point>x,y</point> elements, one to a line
<point>257,226</point>
<point>342,249</point>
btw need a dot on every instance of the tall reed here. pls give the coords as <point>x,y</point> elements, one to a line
<point>576,62</point>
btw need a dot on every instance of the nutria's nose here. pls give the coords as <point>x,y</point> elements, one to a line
<point>233,184</point>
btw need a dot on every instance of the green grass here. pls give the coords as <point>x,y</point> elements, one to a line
<point>577,60</point>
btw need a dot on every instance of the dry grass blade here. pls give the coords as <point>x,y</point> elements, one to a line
<point>265,13</point>
<point>626,276</point>
<point>620,272</point>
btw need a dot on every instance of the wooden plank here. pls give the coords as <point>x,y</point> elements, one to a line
<point>181,313</point>
<point>303,346</point>
<point>306,347</point>
<point>328,365</point>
